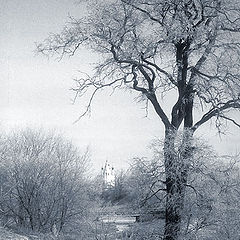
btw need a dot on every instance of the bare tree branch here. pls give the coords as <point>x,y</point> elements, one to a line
<point>231,120</point>
<point>235,104</point>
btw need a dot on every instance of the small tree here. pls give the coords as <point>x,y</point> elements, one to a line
<point>146,186</point>
<point>213,187</point>
<point>44,183</point>
<point>185,49</point>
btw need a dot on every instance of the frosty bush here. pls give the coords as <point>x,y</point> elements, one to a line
<point>43,182</point>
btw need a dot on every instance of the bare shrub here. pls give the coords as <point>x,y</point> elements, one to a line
<point>43,182</point>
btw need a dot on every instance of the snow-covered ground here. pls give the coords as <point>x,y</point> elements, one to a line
<point>8,235</point>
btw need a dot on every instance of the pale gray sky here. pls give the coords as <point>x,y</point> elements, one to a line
<point>35,91</point>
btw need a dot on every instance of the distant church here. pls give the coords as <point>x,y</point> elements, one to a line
<point>108,176</point>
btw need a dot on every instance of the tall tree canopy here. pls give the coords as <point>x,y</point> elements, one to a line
<point>189,47</point>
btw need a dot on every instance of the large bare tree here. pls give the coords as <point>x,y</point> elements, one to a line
<point>187,49</point>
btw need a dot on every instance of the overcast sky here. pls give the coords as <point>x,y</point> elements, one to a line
<point>35,91</point>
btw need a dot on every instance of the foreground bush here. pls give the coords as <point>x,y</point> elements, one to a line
<point>43,182</point>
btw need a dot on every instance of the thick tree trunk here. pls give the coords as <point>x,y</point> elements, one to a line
<point>176,169</point>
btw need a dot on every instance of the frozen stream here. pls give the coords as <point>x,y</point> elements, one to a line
<point>121,222</point>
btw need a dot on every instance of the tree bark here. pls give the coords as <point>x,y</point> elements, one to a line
<point>176,170</point>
